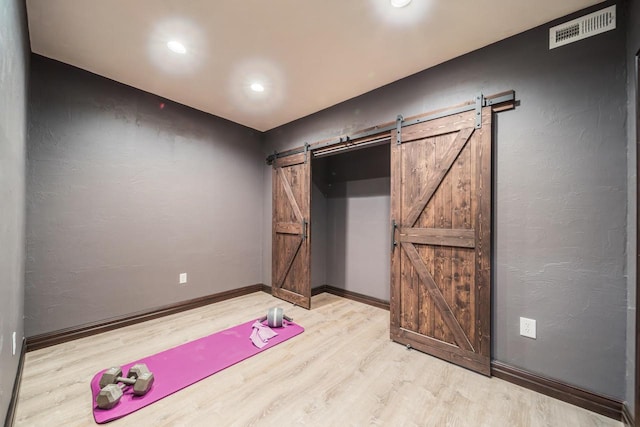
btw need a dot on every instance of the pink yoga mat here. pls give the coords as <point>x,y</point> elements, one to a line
<point>181,366</point>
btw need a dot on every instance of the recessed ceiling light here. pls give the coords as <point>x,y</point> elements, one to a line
<point>257,87</point>
<point>400,3</point>
<point>176,47</point>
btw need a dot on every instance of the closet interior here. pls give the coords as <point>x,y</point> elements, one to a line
<point>350,217</point>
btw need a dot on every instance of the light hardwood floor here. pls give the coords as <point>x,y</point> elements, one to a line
<point>342,371</point>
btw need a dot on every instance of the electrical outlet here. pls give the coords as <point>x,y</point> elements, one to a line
<point>183,278</point>
<point>528,327</point>
<point>13,349</point>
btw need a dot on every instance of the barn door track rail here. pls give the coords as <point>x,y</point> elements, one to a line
<point>373,136</point>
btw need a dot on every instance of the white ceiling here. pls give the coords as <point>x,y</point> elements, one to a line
<point>309,54</point>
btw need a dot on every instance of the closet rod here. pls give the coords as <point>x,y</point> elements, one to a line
<point>351,147</point>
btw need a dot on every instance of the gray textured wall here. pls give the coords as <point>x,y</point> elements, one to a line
<point>122,196</point>
<point>358,238</point>
<point>560,192</point>
<point>13,136</point>
<point>633,46</point>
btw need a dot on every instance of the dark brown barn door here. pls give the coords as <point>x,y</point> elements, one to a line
<point>440,268</point>
<point>291,273</point>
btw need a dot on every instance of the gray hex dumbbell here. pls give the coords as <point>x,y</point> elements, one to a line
<point>110,394</point>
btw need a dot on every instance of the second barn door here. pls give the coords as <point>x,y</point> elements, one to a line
<point>291,273</point>
<point>441,213</point>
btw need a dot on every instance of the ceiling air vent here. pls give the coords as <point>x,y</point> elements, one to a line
<point>581,28</point>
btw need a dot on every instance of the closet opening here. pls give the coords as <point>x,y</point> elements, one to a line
<point>350,217</point>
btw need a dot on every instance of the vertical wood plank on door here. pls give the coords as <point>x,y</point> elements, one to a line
<point>483,234</point>
<point>411,283</point>
<point>275,197</point>
<point>473,188</point>
<point>442,266</point>
<point>462,258</point>
<point>427,220</point>
<point>307,238</point>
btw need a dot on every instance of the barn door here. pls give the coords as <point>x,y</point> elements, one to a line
<point>291,273</point>
<point>440,267</point>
